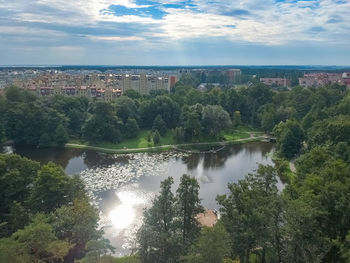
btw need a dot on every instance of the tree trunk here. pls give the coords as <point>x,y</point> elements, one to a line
<point>247,256</point>
<point>263,256</point>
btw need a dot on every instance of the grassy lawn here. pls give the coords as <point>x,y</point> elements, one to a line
<point>235,135</point>
<point>242,132</point>
<point>129,259</point>
<point>139,142</point>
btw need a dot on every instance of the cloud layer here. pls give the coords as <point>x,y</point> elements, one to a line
<point>135,28</point>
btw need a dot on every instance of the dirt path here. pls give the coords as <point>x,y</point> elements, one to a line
<point>292,166</point>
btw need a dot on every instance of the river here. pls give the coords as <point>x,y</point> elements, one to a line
<point>122,186</point>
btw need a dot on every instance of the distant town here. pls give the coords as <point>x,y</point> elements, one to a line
<point>109,84</point>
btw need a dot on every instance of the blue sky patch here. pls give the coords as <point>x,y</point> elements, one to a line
<point>236,12</point>
<point>152,11</point>
<point>317,29</point>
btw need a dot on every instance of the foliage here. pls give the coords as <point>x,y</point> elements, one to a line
<point>48,122</point>
<point>51,189</point>
<point>236,120</point>
<point>189,207</point>
<point>179,134</point>
<point>159,125</point>
<point>332,130</point>
<point>12,251</point>
<point>170,226</point>
<point>191,119</point>
<point>317,207</point>
<point>158,237</point>
<point>103,124</point>
<point>36,237</point>
<point>65,223</point>
<point>131,128</point>
<point>251,214</point>
<point>129,259</point>
<point>61,135</point>
<point>290,137</point>
<point>212,245</point>
<point>156,137</point>
<point>215,119</point>
<point>97,252</point>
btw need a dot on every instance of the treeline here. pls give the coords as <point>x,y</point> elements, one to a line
<point>45,215</point>
<point>187,112</point>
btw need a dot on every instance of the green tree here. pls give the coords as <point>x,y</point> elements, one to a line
<point>36,237</point>
<point>126,108</point>
<point>251,214</point>
<point>306,243</point>
<point>103,124</point>
<point>58,250</point>
<point>179,134</point>
<point>301,99</point>
<point>45,140</point>
<point>96,250</point>
<point>75,109</point>
<point>236,120</point>
<point>192,125</point>
<point>215,119</point>
<point>159,125</point>
<point>131,129</point>
<point>52,188</point>
<point>158,237</point>
<point>189,206</point>
<point>133,94</point>
<point>163,105</point>
<point>17,174</point>
<point>61,135</point>
<point>149,137</point>
<point>317,213</point>
<point>156,137</point>
<point>290,137</point>
<point>16,219</point>
<point>212,245</point>
<point>267,119</point>
<point>332,130</point>
<point>77,223</point>
<point>345,248</point>
<point>257,95</point>
<point>13,251</point>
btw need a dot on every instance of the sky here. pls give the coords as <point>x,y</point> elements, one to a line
<point>174,32</point>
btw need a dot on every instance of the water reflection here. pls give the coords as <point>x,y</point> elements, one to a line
<point>72,160</point>
<point>122,186</point>
<point>123,215</point>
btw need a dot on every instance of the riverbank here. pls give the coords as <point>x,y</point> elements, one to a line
<point>285,168</point>
<point>166,147</point>
<point>142,143</point>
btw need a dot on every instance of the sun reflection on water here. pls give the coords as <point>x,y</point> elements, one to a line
<point>124,214</point>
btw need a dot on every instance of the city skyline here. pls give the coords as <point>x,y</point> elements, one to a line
<point>189,32</point>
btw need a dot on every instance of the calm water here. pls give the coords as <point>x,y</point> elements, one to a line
<point>122,186</point>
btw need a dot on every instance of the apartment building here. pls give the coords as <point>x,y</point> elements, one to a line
<point>319,79</point>
<point>234,75</point>
<point>282,82</point>
<point>75,91</point>
<point>102,86</point>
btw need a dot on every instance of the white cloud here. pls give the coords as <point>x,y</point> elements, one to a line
<point>265,22</point>
<point>116,38</point>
